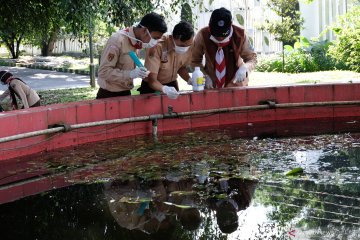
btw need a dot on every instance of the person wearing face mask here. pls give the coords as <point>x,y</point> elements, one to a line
<point>229,55</point>
<point>117,70</point>
<point>167,60</point>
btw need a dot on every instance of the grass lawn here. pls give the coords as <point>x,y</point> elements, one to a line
<point>256,79</point>
<point>71,95</point>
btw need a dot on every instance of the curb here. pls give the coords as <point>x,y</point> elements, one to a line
<point>57,69</point>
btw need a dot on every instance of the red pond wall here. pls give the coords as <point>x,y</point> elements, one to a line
<point>40,118</point>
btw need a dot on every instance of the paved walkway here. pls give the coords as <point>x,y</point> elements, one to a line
<point>45,79</point>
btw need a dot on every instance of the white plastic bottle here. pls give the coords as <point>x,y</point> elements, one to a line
<point>198,80</point>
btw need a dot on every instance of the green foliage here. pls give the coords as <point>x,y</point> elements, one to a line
<point>346,49</point>
<point>287,28</point>
<point>240,19</point>
<point>42,22</point>
<point>266,40</point>
<point>305,56</point>
<point>67,95</point>
<point>186,13</point>
<point>15,24</point>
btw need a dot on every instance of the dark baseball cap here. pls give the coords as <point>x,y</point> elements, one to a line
<point>4,75</point>
<point>220,22</point>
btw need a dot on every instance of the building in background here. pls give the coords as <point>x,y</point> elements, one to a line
<point>319,15</point>
<point>250,14</point>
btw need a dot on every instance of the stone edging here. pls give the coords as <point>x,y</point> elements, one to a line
<point>36,66</point>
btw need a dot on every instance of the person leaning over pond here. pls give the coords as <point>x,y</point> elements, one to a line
<point>117,70</point>
<point>229,55</point>
<point>170,57</point>
<point>18,88</point>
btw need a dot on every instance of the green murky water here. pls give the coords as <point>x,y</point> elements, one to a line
<point>199,185</point>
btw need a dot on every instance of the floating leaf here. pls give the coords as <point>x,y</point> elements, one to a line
<point>183,193</point>
<point>179,206</point>
<point>295,171</point>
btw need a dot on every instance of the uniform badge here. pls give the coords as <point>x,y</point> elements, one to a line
<point>110,57</point>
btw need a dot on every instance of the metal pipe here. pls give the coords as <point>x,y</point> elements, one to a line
<point>172,114</point>
<point>155,128</point>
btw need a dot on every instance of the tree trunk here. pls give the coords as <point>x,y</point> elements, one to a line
<point>48,45</point>
<point>13,45</point>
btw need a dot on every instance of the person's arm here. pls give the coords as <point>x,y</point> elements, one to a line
<point>157,86</point>
<point>153,82</point>
<point>108,71</point>
<point>152,64</point>
<point>184,74</point>
<point>18,88</point>
<point>248,55</point>
<point>198,51</point>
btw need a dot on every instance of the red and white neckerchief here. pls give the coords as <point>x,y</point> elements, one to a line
<point>138,44</point>
<point>220,65</point>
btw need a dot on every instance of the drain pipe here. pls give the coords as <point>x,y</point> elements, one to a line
<point>154,118</point>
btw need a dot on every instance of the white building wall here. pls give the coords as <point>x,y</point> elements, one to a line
<point>319,15</point>
<point>252,12</point>
<point>61,46</point>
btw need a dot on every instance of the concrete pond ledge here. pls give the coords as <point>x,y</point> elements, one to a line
<point>144,108</point>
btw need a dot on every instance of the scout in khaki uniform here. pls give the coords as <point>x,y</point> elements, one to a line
<point>117,70</point>
<point>18,88</point>
<point>229,56</point>
<point>168,59</point>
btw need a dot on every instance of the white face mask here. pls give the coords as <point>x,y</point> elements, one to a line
<point>149,44</point>
<point>225,40</point>
<point>180,50</point>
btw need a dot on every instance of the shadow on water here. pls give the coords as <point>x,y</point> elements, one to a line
<point>199,185</point>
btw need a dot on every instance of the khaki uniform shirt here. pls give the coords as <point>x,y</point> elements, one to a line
<point>247,57</point>
<point>116,64</point>
<point>164,61</point>
<point>27,95</point>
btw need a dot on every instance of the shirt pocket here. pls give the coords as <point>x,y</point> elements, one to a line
<point>125,61</point>
<point>165,65</point>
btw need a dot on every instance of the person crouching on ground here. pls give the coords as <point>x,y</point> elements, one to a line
<point>18,88</point>
<point>168,59</point>
<point>117,70</point>
<point>229,55</point>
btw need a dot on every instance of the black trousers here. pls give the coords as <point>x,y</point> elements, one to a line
<point>103,93</point>
<point>145,88</point>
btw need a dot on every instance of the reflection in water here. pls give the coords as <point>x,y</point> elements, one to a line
<point>130,209</point>
<point>201,186</point>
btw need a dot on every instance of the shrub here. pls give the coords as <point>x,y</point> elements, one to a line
<point>305,56</point>
<point>346,49</point>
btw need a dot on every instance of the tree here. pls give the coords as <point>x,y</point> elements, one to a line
<point>41,21</point>
<point>346,48</point>
<point>15,23</point>
<point>287,28</point>
<point>186,13</point>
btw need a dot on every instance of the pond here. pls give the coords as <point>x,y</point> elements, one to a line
<point>195,185</point>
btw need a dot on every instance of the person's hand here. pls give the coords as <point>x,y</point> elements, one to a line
<point>139,72</point>
<point>189,82</point>
<point>208,82</point>
<point>241,74</point>
<point>170,92</point>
